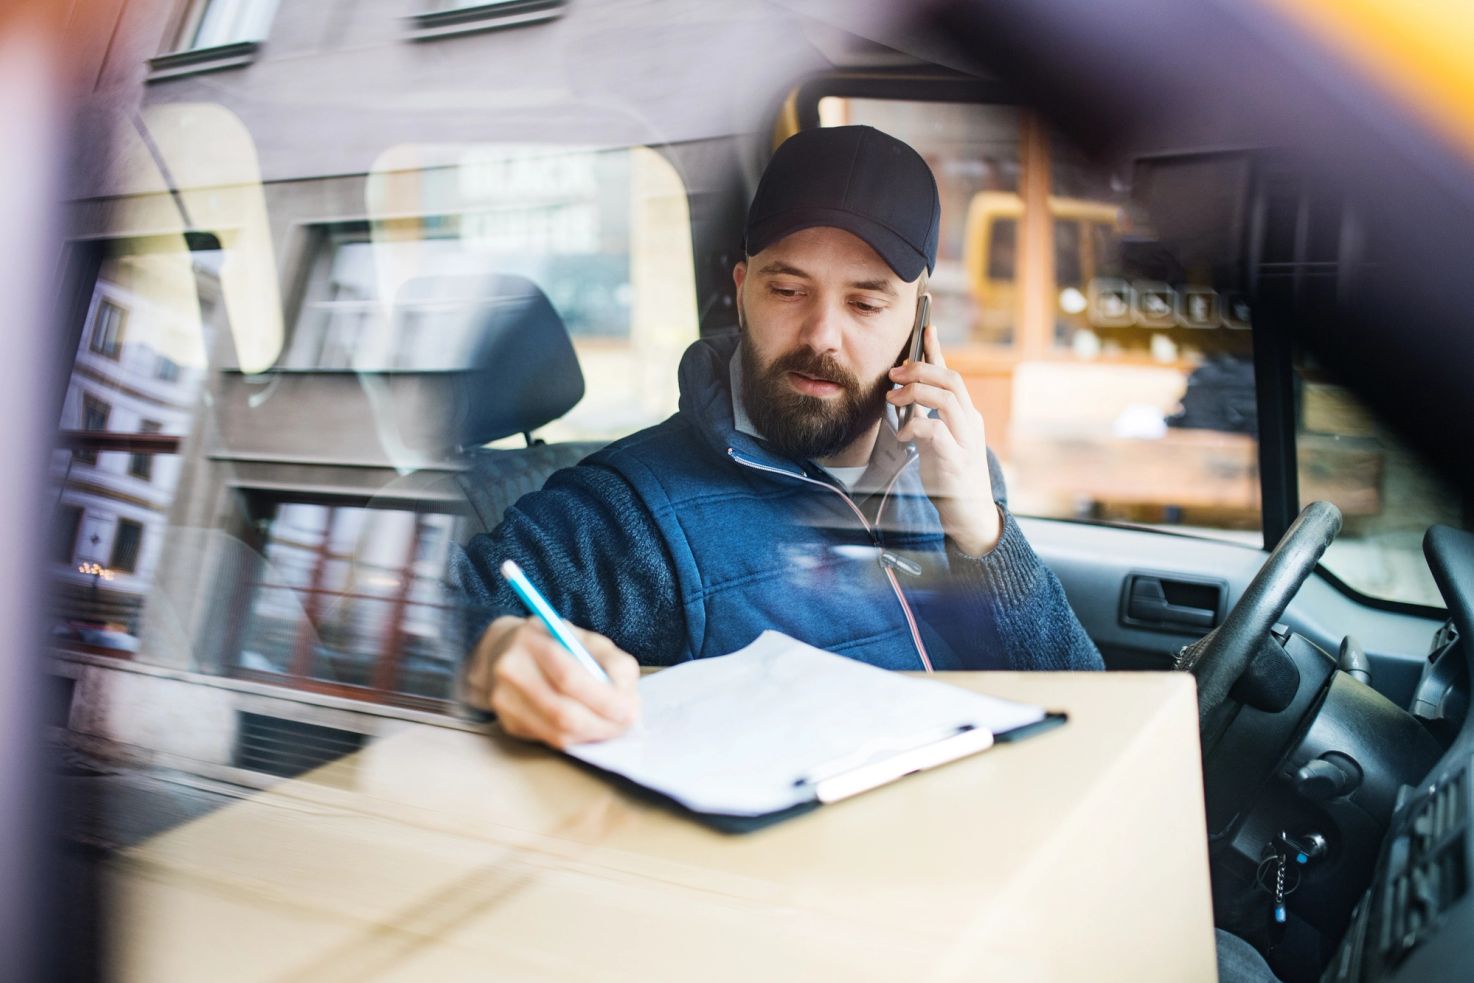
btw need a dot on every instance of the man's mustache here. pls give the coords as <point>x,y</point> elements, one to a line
<point>815,365</point>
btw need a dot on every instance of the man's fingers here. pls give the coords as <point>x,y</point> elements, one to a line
<point>964,423</point>
<point>513,716</point>
<point>922,430</point>
<point>478,679</point>
<point>931,343</point>
<point>543,715</point>
<point>938,376</point>
<point>623,668</point>
<point>931,396</point>
<point>567,676</point>
<point>480,672</point>
<point>540,691</point>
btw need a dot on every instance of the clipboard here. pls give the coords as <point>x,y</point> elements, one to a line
<point>735,824</point>
<point>779,728</point>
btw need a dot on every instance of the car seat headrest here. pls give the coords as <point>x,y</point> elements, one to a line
<point>519,371</point>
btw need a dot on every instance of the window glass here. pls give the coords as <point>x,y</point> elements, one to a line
<point>351,596</point>
<point>974,151</point>
<point>114,500</point>
<point>1108,393</point>
<point>604,234</point>
<point>219,22</point>
<point>141,465</point>
<point>126,542</point>
<point>1387,494</point>
<point>107,329</point>
<point>560,219</point>
<point>95,413</point>
<point>277,518</point>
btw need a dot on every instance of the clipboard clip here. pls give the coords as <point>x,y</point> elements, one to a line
<point>843,778</point>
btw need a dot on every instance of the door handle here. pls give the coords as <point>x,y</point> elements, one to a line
<point>1156,601</point>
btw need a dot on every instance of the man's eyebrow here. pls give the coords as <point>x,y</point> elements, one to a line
<point>881,286</point>
<point>776,267</point>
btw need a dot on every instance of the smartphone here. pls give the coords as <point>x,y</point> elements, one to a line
<point>914,350</point>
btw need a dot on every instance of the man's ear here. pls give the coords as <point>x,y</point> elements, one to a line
<point>739,276</point>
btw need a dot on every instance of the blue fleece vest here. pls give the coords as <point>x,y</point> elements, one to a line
<point>759,541</point>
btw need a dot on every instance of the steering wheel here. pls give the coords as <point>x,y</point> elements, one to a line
<point>1220,657</point>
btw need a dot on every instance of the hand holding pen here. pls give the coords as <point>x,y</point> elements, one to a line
<point>527,672</point>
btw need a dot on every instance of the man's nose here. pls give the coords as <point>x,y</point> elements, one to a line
<point>823,328</point>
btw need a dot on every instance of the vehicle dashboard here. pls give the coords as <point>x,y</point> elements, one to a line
<point>1415,920</point>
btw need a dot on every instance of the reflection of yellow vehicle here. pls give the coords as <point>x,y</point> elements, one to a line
<point>1085,235</point>
<point>1057,416</point>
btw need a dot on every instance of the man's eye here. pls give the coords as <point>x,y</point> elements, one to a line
<point>866,308</point>
<point>783,291</point>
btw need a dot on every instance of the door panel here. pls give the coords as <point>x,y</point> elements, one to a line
<point>1093,562</point>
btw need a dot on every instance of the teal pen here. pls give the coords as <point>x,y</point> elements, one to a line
<point>539,606</point>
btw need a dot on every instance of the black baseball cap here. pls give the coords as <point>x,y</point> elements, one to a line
<point>854,178</point>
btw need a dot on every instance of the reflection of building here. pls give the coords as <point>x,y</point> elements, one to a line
<point>112,506</point>
<point>313,248</point>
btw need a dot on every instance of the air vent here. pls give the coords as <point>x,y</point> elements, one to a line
<point>289,747</point>
<point>1448,806</point>
<point>1435,872</point>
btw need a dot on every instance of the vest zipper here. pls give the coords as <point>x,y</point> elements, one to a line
<point>890,573</point>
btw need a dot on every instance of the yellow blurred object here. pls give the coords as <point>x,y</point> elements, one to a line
<point>990,249</point>
<point>1419,50</point>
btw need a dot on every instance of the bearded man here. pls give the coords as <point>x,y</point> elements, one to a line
<point>785,492</point>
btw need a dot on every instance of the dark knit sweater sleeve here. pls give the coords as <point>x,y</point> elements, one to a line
<point>589,544</point>
<point>1023,598</point>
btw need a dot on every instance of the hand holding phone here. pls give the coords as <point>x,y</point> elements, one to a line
<point>951,445</point>
<point>914,350</point>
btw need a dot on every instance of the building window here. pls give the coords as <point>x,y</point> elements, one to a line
<point>107,329</point>
<point>125,546</point>
<point>142,465</point>
<point>340,309</point>
<point>215,34</point>
<point>90,606</point>
<point>216,23</point>
<point>68,526</point>
<point>440,18</point>
<point>564,219</point>
<point>95,415</point>
<point>349,598</point>
<point>343,323</point>
<point>166,369</point>
<point>604,234</point>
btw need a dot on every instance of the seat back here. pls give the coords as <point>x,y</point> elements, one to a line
<point>521,374</point>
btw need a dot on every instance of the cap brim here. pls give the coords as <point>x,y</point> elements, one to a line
<point>898,254</point>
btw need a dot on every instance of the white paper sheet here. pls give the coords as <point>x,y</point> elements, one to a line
<point>739,734</point>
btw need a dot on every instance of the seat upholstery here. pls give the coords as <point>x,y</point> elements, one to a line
<point>494,479</point>
<point>521,374</point>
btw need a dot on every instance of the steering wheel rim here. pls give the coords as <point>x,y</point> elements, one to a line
<point>1220,657</point>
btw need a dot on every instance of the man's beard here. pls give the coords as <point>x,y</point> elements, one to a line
<point>802,426</point>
